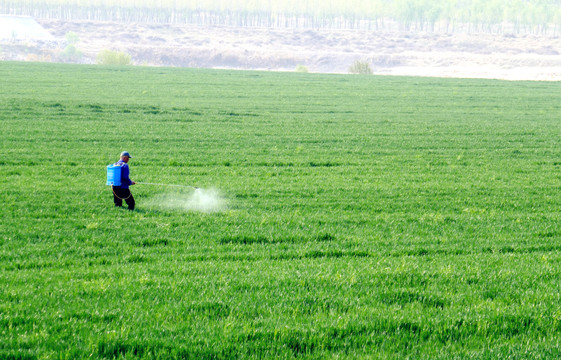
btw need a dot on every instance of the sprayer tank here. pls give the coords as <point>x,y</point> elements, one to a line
<point>113,175</point>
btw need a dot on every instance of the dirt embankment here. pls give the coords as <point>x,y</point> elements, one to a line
<point>425,54</point>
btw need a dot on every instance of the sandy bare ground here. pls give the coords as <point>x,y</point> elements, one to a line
<point>509,57</point>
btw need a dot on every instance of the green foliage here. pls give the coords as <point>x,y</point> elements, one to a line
<point>110,57</point>
<point>368,217</point>
<point>361,68</point>
<point>71,53</point>
<point>301,69</point>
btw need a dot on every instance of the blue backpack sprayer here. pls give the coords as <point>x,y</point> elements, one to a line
<point>113,175</point>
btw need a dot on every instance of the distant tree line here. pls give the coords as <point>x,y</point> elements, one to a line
<point>502,16</point>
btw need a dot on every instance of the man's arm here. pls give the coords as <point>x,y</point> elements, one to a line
<point>125,175</point>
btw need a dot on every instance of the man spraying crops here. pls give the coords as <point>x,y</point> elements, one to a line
<point>122,192</point>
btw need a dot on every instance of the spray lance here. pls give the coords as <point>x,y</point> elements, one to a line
<point>157,184</point>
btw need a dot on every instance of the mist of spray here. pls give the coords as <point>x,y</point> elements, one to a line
<point>199,200</point>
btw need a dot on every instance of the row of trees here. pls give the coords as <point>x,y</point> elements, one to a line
<point>528,16</point>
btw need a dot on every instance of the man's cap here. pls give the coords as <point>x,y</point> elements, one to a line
<point>126,153</point>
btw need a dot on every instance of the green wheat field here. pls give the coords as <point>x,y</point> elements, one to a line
<point>361,217</point>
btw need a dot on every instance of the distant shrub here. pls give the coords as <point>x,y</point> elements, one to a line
<point>109,57</point>
<point>301,69</point>
<point>71,52</point>
<point>360,67</point>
